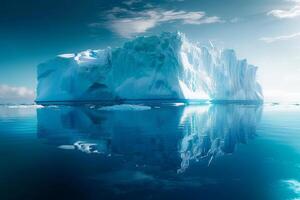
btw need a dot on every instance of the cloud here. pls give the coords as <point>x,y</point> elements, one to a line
<point>9,94</point>
<point>131,2</point>
<point>280,38</point>
<point>290,13</point>
<point>235,20</point>
<point>130,22</point>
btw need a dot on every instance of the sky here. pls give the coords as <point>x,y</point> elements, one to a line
<point>265,32</point>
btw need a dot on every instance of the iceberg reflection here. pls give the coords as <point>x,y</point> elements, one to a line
<point>169,137</point>
<point>212,131</point>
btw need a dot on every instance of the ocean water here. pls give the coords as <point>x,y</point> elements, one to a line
<point>157,151</point>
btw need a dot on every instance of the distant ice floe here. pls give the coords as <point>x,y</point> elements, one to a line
<point>279,107</point>
<point>125,107</point>
<point>26,106</point>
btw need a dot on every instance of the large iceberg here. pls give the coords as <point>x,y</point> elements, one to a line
<point>166,66</point>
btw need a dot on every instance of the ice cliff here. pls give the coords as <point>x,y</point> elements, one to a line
<point>167,66</point>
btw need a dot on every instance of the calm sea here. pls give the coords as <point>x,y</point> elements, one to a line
<point>171,151</point>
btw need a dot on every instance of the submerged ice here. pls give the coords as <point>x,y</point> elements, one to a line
<point>167,66</point>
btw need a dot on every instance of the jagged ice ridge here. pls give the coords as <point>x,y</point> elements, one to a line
<point>166,66</point>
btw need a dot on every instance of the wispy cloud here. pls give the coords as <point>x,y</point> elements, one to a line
<point>235,20</point>
<point>128,22</point>
<point>280,38</point>
<point>9,94</point>
<point>131,2</point>
<point>294,11</point>
<point>141,21</point>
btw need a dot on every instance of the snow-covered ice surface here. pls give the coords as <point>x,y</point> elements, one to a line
<point>125,107</point>
<point>166,66</point>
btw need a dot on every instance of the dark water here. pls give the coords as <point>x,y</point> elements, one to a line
<point>169,152</point>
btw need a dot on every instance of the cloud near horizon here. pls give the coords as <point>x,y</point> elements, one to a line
<point>293,12</point>
<point>9,94</point>
<point>280,38</point>
<point>128,22</point>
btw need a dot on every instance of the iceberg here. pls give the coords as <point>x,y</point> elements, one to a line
<point>165,66</point>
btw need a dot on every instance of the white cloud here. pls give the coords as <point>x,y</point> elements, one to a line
<point>148,5</point>
<point>131,2</point>
<point>129,27</point>
<point>280,38</point>
<point>235,20</point>
<point>294,11</point>
<point>128,23</point>
<point>10,94</point>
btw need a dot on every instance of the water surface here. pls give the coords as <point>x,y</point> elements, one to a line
<point>171,151</point>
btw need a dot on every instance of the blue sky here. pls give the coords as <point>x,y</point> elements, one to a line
<point>266,32</point>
